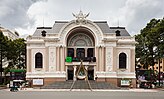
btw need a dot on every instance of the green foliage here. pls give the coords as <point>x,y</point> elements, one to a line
<point>15,51</point>
<point>150,45</point>
<point>3,45</point>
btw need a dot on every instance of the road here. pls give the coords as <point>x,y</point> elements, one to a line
<point>80,95</point>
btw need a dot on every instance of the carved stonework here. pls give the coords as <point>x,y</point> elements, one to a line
<point>81,18</point>
<point>90,25</point>
<point>108,59</point>
<point>80,40</point>
<point>52,59</point>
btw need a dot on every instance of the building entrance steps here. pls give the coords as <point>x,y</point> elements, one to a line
<point>80,84</point>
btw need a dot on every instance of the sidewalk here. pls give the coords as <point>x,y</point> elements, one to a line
<point>125,90</point>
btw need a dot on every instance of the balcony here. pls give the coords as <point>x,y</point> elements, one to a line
<point>76,61</point>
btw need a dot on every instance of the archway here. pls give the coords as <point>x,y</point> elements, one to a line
<point>80,43</point>
<point>81,46</point>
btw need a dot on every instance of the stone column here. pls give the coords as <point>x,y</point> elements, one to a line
<point>57,58</point>
<point>52,59</point>
<point>86,52</point>
<point>65,55</point>
<point>62,58</point>
<point>114,57</point>
<point>132,65</point>
<point>47,59</point>
<point>94,52</point>
<point>28,62</point>
<point>75,52</point>
<point>66,67</point>
<point>100,59</point>
<point>74,73</point>
<point>94,72</point>
<point>97,58</point>
<point>103,58</point>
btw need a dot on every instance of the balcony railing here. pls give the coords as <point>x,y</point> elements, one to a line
<point>85,59</point>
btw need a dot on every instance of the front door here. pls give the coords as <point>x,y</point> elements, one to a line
<point>70,74</point>
<point>90,74</point>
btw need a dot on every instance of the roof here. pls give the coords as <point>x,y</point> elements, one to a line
<point>123,31</point>
<point>58,25</point>
<point>40,29</point>
<point>103,25</point>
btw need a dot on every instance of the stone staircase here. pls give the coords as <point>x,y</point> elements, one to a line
<point>59,85</point>
<point>80,84</point>
<point>102,85</point>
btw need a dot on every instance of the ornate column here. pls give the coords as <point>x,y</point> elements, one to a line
<point>29,60</point>
<point>97,58</point>
<point>65,55</point>
<point>57,58</point>
<point>47,59</point>
<point>94,72</point>
<point>66,67</point>
<point>100,58</point>
<point>62,58</point>
<point>52,59</point>
<point>103,58</point>
<point>110,56</point>
<point>74,73</point>
<point>86,52</point>
<point>132,65</point>
<point>75,52</point>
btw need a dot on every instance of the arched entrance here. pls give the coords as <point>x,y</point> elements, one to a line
<point>81,46</point>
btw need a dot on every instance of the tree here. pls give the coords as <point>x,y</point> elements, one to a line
<point>3,45</point>
<point>150,43</point>
<point>3,52</point>
<point>17,52</point>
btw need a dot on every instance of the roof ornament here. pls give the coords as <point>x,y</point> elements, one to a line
<point>80,18</point>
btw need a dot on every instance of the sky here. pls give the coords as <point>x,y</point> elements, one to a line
<point>24,16</point>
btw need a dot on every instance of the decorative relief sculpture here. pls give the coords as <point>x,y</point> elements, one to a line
<point>52,57</point>
<point>81,18</point>
<point>108,61</point>
<point>80,40</point>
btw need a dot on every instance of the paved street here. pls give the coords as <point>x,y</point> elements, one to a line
<point>81,95</point>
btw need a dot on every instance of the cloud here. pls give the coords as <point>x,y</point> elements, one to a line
<point>14,13</point>
<point>53,10</point>
<point>137,13</point>
<point>26,15</point>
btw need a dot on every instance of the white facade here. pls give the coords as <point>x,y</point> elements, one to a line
<point>81,38</point>
<point>11,35</point>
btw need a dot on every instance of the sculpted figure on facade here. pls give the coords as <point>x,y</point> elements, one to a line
<point>81,18</point>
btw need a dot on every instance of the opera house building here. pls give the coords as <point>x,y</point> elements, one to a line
<point>57,53</point>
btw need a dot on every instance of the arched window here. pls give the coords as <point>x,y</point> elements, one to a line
<point>122,61</point>
<point>38,60</point>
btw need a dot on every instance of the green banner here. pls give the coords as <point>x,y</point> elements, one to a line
<point>68,59</point>
<point>17,70</point>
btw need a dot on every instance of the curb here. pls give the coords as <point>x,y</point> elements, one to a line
<point>94,90</point>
